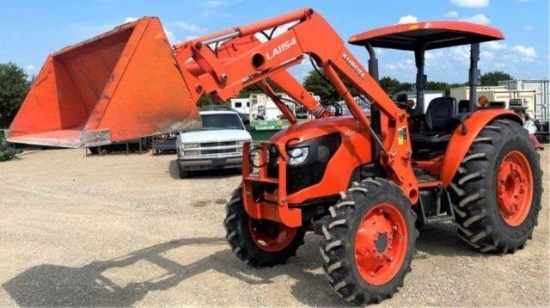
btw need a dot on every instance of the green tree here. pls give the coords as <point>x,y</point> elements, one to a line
<point>245,93</point>
<point>492,78</point>
<point>319,85</point>
<point>392,85</point>
<point>316,83</point>
<point>14,86</point>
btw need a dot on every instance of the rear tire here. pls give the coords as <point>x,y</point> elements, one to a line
<point>259,243</point>
<point>497,190</point>
<point>369,242</point>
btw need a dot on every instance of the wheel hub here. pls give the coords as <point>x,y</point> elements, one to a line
<point>271,236</point>
<point>380,244</point>
<point>514,188</point>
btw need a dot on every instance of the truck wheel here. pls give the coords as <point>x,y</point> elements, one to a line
<point>182,172</point>
<point>497,190</point>
<point>369,242</point>
<point>259,242</point>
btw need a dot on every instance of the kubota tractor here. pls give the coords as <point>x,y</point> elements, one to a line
<point>362,181</point>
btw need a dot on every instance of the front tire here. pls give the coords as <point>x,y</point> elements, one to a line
<point>259,243</point>
<point>182,172</point>
<point>497,189</point>
<point>369,242</point>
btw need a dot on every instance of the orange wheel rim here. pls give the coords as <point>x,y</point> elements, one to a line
<point>514,188</point>
<point>271,236</point>
<point>381,244</point>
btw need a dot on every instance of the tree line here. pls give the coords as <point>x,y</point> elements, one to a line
<point>315,82</point>
<point>15,84</point>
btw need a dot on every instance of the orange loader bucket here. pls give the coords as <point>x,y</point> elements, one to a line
<point>120,85</point>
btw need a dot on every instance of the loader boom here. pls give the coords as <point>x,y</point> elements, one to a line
<point>242,60</point>
<point>128,83</point>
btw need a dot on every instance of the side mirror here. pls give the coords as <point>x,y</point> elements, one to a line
<point>250,128</point>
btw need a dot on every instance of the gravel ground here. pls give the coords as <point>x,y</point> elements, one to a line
<point>123,230</point>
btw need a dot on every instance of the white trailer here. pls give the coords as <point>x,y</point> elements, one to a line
<point>263,108</point>
<point>428,96</point>
<point>499,95</point>
<point>542,94</point>
<point>242,105</point>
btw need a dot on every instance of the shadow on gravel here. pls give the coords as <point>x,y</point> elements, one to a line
<point>441,239</point>
<point>205,174</point>
<point>54,285</point>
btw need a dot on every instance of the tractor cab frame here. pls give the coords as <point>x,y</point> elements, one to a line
<point>424,36</point>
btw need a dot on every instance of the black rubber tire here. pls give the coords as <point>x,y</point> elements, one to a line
<point>474,189</point>
<point>182,172</point>
<point>241,242</point>
<point>338,247</point>
<point>94,150</point>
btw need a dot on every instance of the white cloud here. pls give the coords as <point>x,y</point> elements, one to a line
<point>487,55</point>
<point>495,45</point>
<point>405,65</point>
<point>130,19</point>
<point>190,27</point>
<point>451,14</point>
<point>520,53</point>
<point>478,19</point>
<point>212,4</point>
<point>471,3</point>
<point>170,35</point>
<point>379,51</point>
<point>433,54</point>
<point>528,27</point>
<point>30,68</point>
<point>528,53</point>
<point>280,30</point>
<point>408,19</point>
<point>461,54</point>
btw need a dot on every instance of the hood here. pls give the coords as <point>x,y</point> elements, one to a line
<point>215,135</point>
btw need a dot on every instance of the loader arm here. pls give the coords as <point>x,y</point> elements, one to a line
<point>129,82</point>
<point>241,60</point>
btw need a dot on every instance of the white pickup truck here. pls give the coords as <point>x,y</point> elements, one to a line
<point>217,145</point>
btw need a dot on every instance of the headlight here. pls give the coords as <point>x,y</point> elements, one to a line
<point>297,155</point>
<point>191,145</point>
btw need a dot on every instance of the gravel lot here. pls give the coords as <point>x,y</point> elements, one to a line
<point>123,230</point>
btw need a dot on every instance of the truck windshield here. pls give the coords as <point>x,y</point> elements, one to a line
<point>221,121</point>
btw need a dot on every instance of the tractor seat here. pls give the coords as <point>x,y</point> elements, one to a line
<point>438,125</point>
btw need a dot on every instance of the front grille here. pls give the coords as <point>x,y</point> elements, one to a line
<point>217,144</point>
<point>219,151</point>
<point>272,165</point>
<point>311,172</point>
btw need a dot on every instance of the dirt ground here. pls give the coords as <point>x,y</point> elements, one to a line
<point>123,230</point>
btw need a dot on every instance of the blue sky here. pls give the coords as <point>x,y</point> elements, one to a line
<point>30,30</point>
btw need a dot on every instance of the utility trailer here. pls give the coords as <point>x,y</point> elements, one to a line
<point>362,182</point>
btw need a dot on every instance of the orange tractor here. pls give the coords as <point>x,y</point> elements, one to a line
<point>364,182</point>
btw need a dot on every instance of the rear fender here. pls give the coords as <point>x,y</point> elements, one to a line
<point>460,142</point>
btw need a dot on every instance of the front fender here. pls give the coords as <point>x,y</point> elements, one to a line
<point>460,142</point>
